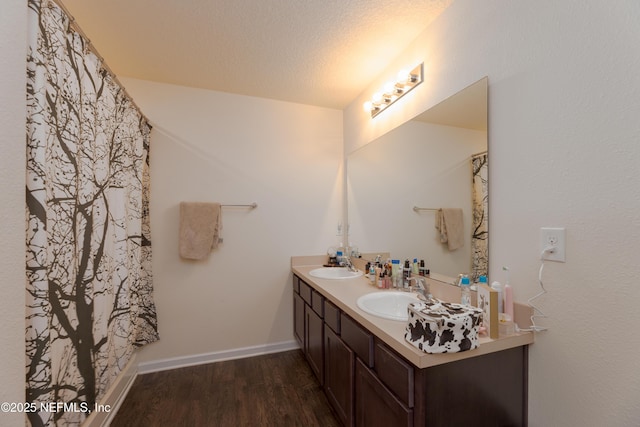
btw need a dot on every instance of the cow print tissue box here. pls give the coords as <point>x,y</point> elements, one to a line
<point>441,327</point>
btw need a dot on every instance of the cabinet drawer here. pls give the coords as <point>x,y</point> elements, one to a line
<point>359,339</point>
<point>332,316</point>
<point>305,292</point>
<point>317,303</point>
<point>395,373</point>
<point>296,284</point>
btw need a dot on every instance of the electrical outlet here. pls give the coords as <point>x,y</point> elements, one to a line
<point>554,237</point>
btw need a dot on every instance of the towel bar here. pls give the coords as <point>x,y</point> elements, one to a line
<point>252,206</point>
<point>417,209</point>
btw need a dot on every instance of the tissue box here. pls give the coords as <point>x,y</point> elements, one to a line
<point>440,327</point>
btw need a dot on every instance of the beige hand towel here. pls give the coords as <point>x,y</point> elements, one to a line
<point>200,225</point>
<point>449,224</point>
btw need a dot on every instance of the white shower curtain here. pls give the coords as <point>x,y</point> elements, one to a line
<point>89,290</point>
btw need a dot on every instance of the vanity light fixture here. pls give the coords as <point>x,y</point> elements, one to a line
<point>393,91</point>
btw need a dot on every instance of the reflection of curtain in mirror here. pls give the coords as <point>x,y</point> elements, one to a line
<point>88,264</point>
<point>480,225</point>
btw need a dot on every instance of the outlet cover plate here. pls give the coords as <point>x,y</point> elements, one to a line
<point>553,236</point>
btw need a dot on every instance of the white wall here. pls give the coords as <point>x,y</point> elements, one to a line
<point>212,146</point>
<point>564,102</point>
<point>13,40</point>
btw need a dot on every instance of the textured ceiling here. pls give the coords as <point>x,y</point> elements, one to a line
<point>322,53</point>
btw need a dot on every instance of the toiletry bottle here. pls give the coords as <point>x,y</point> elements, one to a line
<point>465,288</point>
<point>497,286</point>
<point>339,258</point>
<point>407,270</point>
<point>421,268</point>
<point>482,280</point>
<point>508,301</point>
<point>372,273</point>
<point>416,268</point>
<point>395,271</point>
<point>395,267</point>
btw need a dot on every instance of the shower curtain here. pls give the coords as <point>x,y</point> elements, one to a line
<point>480,226</point>
<point>88,263</point>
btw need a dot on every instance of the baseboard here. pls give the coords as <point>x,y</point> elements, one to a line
<point>115,395</point>
<point>219,356</point>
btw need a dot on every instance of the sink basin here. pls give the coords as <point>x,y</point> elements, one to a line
<point>388,305</point>
<point>334,273</point>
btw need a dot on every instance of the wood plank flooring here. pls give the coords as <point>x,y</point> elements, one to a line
<point>272,390</point>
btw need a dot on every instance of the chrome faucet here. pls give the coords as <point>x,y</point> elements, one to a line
<point>422,288</point>
<point>346,262</point>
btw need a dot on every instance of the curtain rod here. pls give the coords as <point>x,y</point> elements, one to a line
<point>73,24</point>
<point>479,154</point>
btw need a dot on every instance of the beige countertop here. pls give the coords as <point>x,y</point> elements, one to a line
<point>345,292</point>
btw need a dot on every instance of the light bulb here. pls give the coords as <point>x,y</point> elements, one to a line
<point>389,88</point>
<point>403,77</point>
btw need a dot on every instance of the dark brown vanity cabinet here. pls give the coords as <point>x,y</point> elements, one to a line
<point>369,384</point>
<point>308,306</point>
<point>338,375</point>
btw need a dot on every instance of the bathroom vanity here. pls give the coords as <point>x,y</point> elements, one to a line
<point>373,377</point>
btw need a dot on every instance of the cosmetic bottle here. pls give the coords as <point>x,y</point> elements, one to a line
<point>508,301</point>
<point>465,288</point>
<point>395,267</point>
<point>497,286</point>
<point>421,268</point>
<point>416,267</point>
<point>406,271</point>
<point>372,274</point>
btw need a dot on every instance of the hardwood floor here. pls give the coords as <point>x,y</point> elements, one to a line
<point>271,390</point>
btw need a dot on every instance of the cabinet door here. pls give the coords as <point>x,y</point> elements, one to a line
<point>375,405</point>
<point>314,328</point>
<point>338,376</point>
<point>298,320</point>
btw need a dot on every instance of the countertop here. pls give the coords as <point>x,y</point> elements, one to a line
<point>345,292</point>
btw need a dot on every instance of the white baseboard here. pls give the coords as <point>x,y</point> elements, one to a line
<point>114,397</point>
<point>219,356</point>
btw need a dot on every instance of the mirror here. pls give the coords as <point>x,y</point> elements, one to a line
<point>425,163</point>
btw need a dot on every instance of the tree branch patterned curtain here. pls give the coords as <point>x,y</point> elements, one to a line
<point>88,263</point>
<point>480,226</point>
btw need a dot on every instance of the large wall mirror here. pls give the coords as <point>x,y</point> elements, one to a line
<point>437,160</point>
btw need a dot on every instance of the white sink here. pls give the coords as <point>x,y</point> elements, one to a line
<point>390,305</point>
<point>334,273</point>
